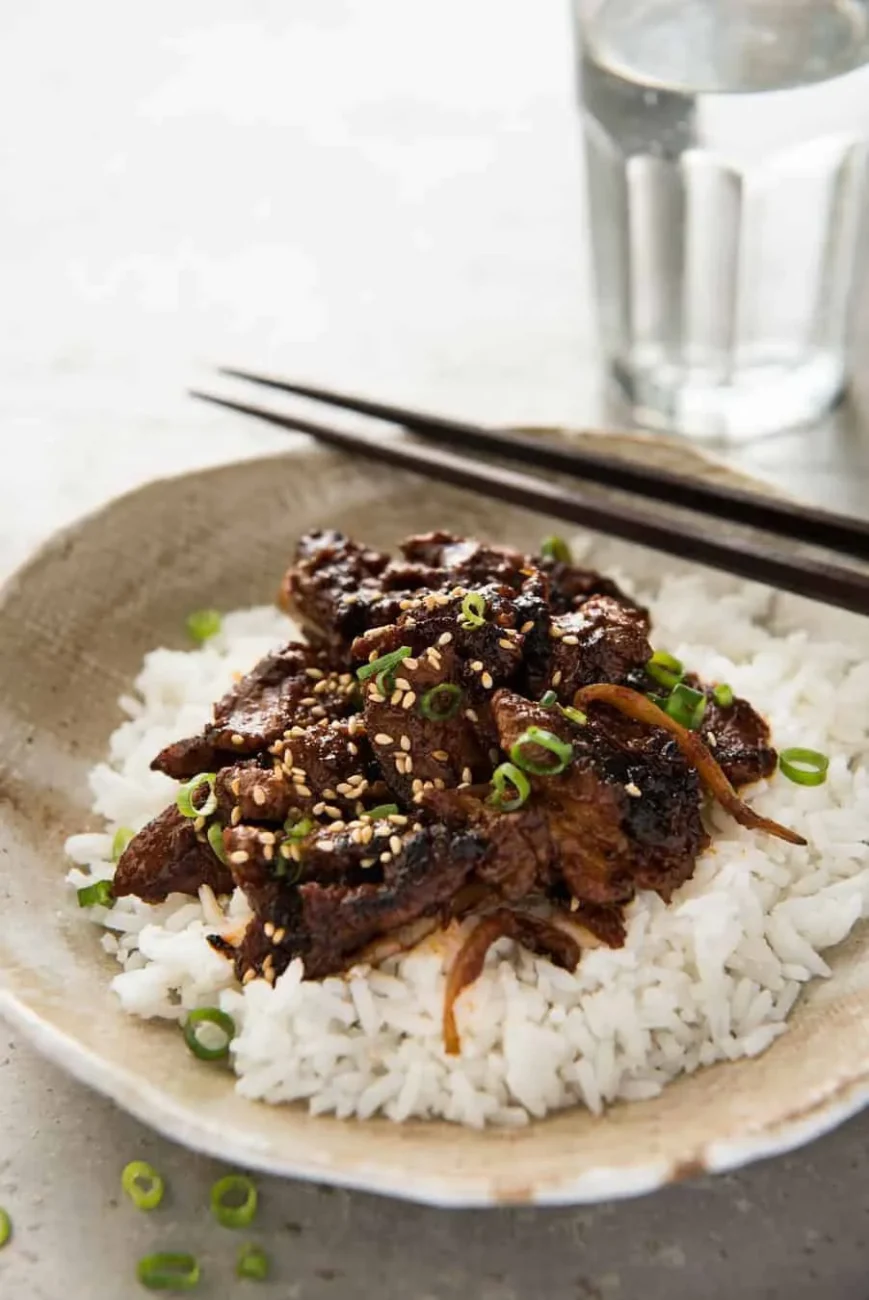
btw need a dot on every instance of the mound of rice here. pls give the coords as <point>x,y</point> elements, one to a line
<point>712,976</point>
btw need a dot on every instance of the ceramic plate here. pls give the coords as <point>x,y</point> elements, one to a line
<point>74,625</point>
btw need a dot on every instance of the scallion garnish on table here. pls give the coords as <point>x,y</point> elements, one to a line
<point>234,1201</point>
<point>203,624</point>
<point>5,1228</point>
<point>169,1271</point>
<point>143,1185</point>
<point>252,1263</point>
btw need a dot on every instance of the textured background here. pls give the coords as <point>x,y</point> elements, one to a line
<point>382,195</point>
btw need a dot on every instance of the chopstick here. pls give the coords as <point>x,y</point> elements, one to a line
<point>749,558</point>
<point>806,524</point>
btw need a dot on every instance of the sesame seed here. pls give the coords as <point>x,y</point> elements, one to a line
<point>441,755</point>
<point>408,765</point>
<point>467,775</point>
<point>329,794</point>
<point>356,836</point>
<point>476,666</point>
<point>372,656</point>
<point>556,678</point>
<point>351,598</point>
<point>267,837</point>
<point>409,700</point>
<point>235,786</point>
<point>248,976</point>
<point>285,851</point>
<point>318,712</point>
<point>259,796</point>
<point>505,644</point>
<point>199,823</point>
<point>235,816</point>
<point>269,852</point>
<point>296,852</point>
<point>332,811</point>
<point>326,846</point>
<point>323,686</point>
<point>268,929</point>
<point>367,834</point>
<point>395,844</point>
<point>239,856</point>
<point>344,788</point>
<point>395,698</point>
<point>555,632</point>
<point>280,935</point>
<point>386,857</point>
<point>405,604</point>
<point>405,742</point>
<point>526,627</point>
<point>318,808</point>
<point>445,638</point>
<point>487,681</point>
<point>402,683</point>
<point>314,673</point>
<point>411,665</point>
<point>416,785</point>
<point>297,731</point>
<point>308,701</point>
<point>397,819</point>
<point>339,825</point>
<point>417,798</point>
<point>303,791</point>
<point>289,761</point>
<point>352,749</point>
<point>711,739</point>
<point>383,739</point>
<point>633,790</point>
<point>409,622</point>
<point>439,784</point>
<point>367,862</point>
<point>236,738</point>
<point>574,905</point>
<point>472,715</point>
<point>570,640</point>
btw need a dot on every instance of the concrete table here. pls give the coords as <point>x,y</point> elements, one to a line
<point>387,196</point>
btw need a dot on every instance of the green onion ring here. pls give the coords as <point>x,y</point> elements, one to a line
<point>723,695</point>
<point>214,835</point>
<point>686,706</point>
<point>297,830</point>
<point>556,549</point>
<point>123,835</point>
<point>184,797</point>
<point>575,715</point>
<point>548,700</point>
<point>381,811</point>
<point>99,894</point>
<point>665,668</point>
<point>234,1186</point>
<point>812,769</point>
<point>383,664</point>
<point>446,691</point>
<point>562,751</point>
<point>168,1271</point>
<point>473,610</point>
<point>509,774</point>
<point>143,1185</point>
<point>203,624</point>
<point>252,1263</point>
<point>5,1228</point>
<point>208,1016</point>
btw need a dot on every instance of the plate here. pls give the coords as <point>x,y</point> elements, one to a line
<point>74,625</point>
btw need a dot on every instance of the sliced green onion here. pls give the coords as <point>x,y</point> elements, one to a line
<point>723,695</point>
<point>203,624</point>
<point>381,811</point>
<point>297,830</point>
<point>168,1271</point>
<point>686,706</point>
<point>665,668</point>
<point>575,715</point>
<point>99,894</point>
<point>123,835</point>
<point>473,610</point>
<point>441,703</point>
<point>233,1201</point>
<point>509,775</point>
<point>5,1228</point>
<point>214,835</point>
<point>804,766</point>
<point>208,1016</point>
<point>561,750</point>
<point>548,700</point>
<point>555,548</point>
<point>252,1263</point>
<point>143,1185</point>
<point>383,664</point>
<point>184,797</point>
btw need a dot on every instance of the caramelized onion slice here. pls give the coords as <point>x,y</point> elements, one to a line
<point>540,936</point>
<point>642,709</point>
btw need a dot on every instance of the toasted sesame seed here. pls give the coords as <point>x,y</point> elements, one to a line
<point>351,598</point>
<point>405,742</point>
<point>235,786</point>
<point>711,739</point>
<point>383,739</point>
<point>356,835</point>
<point>303,791</point>
<point>487,681</point>
<point>289,761</point>
<point>239,856</point>
<point>408,765</point>
<point>526,627</point>
<point>411,665</point>
<point>439,784</point>
<point>352,749</point>
<point>235,816</point>
<point>386,857</point>
<point>441,755</point>
<point>300,773</point>
<point>296,852</point>
<point>297,731</point>
<point>402,683</point>
<point>268,852</point>
<point>367,834</point>
<point>556,678</point>
<point>308,701</point>
<point>268,929</point>
<point>397,819</point>
<point>416,784</point>
<point>236,738</point>
<point>505,644</point>
<point>633,790</point>
<point>199,824</point>
<point>319,808</point>
<point>467,775</point>
<point>395,843</point>
<point>326,846</point>
<point>409,700</point>
<point>280,935</point>
<point>472,715</point>
<point>332,811</point>
<point>372,655</point>
<point>556,632</point>
<point>248,976</point>
<point>367,862</point>
<point>395,698</point>
<point>339,825</point>
<point>259,796</point>
<point>328,793</point>
<point>570,640</point>
<point>405,604</point>
<point>476,666</point>
<point>417,798</point>
<point>314,673</point>
<point>285,851</point>
<point>319,712</point>
<point>323,686</point>
<point>267,837</point>
<point>574,905</point>
<point>445,638</point>
<point>345,789</point>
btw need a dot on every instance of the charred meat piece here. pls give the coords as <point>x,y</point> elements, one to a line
<point>294,686</point>
<point>332,768</point>
<point>169,856</point>
<point>465,561</point>
<point>518,853</point>
<point>330,585</point>
<point>260,793</point>
<point>601,641</point>
<point>738,737</point>
<point>571,586</point>
<point>325,921</point>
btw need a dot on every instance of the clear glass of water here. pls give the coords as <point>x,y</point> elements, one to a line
<point>727,179</point>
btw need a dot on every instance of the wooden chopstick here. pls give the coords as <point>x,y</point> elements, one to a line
<point>807,524</point>
<point>747,558</point>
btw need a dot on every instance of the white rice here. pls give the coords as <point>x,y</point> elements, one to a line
<point>712,976</point>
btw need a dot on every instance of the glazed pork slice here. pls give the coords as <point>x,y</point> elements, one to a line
<point>341,889</point>
<point>295,686</point>
<point>169,856</point>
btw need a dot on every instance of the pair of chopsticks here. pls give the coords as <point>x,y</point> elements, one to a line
<point>756,558</point>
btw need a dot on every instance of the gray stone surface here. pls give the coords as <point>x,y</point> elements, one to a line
<point>383,196</point>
